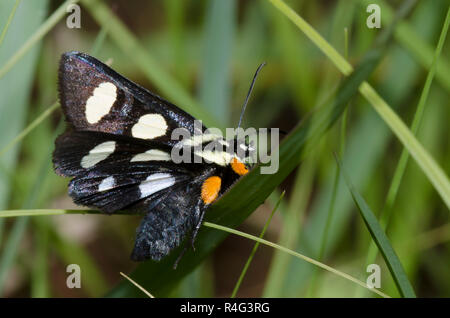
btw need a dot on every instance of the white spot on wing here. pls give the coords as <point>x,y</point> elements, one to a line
<point>149,126</point>
<point>97,154</point>
<point>101,101</point>
<point>152,155</point>
<point>221,158</point>
<point>155,183</point>
<point>106,184</point>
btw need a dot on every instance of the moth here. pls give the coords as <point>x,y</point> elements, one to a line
<point>117,150</point>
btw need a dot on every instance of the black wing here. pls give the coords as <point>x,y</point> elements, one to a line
<point>96,98</point>
<point>113,172</point>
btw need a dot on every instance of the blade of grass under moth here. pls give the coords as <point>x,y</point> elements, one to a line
<point>255,248</point>
<point>127,42</point>
<point>138,286</point>
<point>293,253</point>
<point>432,170</point>
<point>380,238</point>
<point>232,231</point>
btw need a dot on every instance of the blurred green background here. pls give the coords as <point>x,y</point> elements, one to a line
<point>201,55</point>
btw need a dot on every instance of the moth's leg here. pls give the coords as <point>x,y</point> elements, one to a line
<point>198,224</point>
<point>199,215</point>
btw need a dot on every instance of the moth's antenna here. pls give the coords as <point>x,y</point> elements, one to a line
<point>249,93</point>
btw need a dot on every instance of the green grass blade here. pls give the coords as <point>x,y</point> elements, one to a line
<point>401,166</point>
<point>398,85</point>
<point>138,286</point>
<point>255,248</point>
<point>218,227</point>
<point>380,238</point>
<point>429,166</point>
<point>100,39</point>
<point>293,219</point>
<point>36,37</point>
<point>8,22</point>
<point>40,271</point>
<point>409,39</point>
<point>218,44</point>
<point>29,128</point>
<point>14,94</point>
<point>8,256</point>
<point>385,214</point>
<point>11,249</point>
<point>293,253</point>
<point>324,239</point>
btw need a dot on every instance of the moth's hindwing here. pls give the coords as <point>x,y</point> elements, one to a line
<point>112,172</point>
<point>167,224</point>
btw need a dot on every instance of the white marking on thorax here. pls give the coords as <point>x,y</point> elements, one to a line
<point>221,158</point>
<point>151,155</point>
<point>149,126</point>
<point>156,182</point>
<point>97,154</point>
<point>200,139</point>
<point>106,184</point>
<point>101,101</point>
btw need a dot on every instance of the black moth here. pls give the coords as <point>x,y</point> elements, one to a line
<point>117,150</point>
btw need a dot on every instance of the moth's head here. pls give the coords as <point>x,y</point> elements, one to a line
<point>243,155</point>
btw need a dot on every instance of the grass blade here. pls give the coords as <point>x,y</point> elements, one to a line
<point>228,230</point>
<point>409,39</point>
<point>36,37</point>
<point>138,286</point>
<point>29,128</point>
<point>8,22</point>
<point>428,165</point>
<point>385,214</point>
<point>255,248</point>
<point>293,253</point>
<point>218,44</point>
<point>380,238</point>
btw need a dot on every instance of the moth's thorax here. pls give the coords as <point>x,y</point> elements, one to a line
<point>210,148</point>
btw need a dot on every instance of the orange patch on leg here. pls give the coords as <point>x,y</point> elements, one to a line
<point>238,167</point>
<point>210,189</point>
